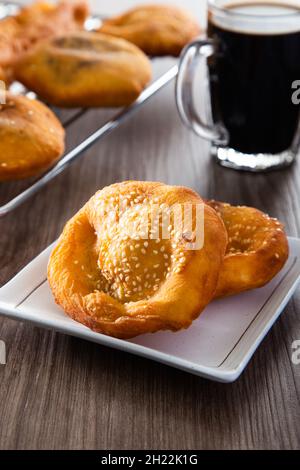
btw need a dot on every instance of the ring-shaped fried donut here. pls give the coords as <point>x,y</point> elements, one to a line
<point>123,286</point>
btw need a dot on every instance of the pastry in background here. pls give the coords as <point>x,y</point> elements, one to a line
<point>34,23</point>
<point>85,69</point>
<point>5,75</point>
<point>124,282</point>
<point>157,29</point>
<point>44,18</point>
<point>257,248</point>
<point>31,138</point>
<point>10,47</point>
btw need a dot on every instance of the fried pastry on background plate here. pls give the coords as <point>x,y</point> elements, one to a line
<point>257,248</point>
<point>85,69</point>
<point>124,285</point>
<point>34,23</point>
<point>157,29</point>
<point>31,138</point>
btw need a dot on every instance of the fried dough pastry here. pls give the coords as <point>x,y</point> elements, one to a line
<point>34,23</point>
<point>31,138</point>
<point>124,283</point>
<point>85,69</point>
<point>9,47</point>
<point>257,248</point>
<point>157,29</point>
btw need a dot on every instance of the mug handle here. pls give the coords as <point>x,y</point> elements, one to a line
<point>192,54</point>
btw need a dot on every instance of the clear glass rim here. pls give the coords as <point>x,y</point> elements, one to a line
<point>212,6</point>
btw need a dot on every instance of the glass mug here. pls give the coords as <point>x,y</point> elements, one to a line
<point>252,52</point>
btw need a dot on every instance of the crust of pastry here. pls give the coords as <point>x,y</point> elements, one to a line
<point>31,138</point>
<point>85,69</point>
<point>124,287</point>
<point>157,29</point>
<point>257,248</point>
<point>34,23</point>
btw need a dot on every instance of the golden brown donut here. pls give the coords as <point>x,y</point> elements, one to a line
<point>157,29</point>
<point>34,23</point>
<point>257,248</point>
<point>31,138</point>
<point>123,285</point>
<point>85,69</point>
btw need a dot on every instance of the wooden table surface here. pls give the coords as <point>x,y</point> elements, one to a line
<point>61,392</point>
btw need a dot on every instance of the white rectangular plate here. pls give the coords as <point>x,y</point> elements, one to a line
<point>218,345</point>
